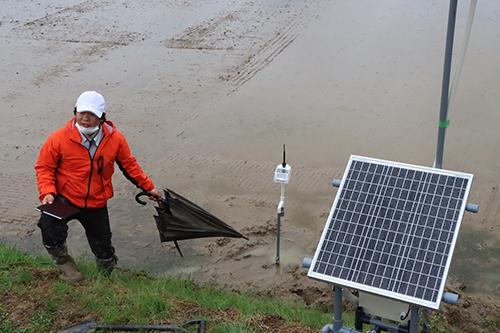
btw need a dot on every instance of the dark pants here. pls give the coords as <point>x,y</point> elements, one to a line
<point>96,225</point>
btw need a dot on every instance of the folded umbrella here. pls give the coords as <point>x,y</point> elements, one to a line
<point>178,219</point>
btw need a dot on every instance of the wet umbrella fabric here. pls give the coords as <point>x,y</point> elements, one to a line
<point>178,219</point>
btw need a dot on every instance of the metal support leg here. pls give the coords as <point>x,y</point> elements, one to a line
<point>338,322</point>
<point>414,319</point>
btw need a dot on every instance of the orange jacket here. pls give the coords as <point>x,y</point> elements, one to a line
<point>64,166</point>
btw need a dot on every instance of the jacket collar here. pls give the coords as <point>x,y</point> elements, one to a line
<point>108,127</point>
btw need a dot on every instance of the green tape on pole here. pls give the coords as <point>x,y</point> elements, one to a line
<point>444,124</point>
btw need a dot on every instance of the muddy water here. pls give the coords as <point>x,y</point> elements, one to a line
<point>208,92</point>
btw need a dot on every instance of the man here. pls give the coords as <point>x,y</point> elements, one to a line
<point>75,166</point>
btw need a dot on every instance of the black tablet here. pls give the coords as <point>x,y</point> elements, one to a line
<point>58,210</point>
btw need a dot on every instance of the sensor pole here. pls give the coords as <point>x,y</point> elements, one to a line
<point>281,175</point>
<point>281,213</point>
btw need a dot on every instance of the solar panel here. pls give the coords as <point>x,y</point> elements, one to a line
<point>392,230</point>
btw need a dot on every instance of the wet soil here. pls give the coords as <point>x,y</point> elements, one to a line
<point>207,92</point>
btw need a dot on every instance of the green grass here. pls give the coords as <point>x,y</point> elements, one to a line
<point>34,299</point>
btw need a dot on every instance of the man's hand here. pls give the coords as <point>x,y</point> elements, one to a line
<point>48,199</point>
<point>154,193</point>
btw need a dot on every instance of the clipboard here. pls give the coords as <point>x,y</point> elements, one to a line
<point>58,209</point>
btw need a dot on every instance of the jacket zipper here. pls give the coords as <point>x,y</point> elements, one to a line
<point>91,170</point>
<point>90,177</point>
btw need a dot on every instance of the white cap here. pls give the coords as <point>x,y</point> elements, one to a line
<point>91,101</point>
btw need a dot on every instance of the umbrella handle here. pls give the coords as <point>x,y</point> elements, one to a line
<point>166,204</point>
<point>141,194</point>
<point>149,195</point>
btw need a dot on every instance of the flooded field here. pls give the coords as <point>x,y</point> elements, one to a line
<point>207,92</point>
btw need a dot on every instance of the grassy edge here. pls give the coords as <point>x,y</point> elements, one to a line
<point>33,298</point>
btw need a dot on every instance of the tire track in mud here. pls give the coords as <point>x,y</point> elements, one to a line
<point>254,38</point>
<point>259,61</point>
<point>68,37</point>
<point>287,26</point>
<point>211,35</point>
<point>311,181</point>
<point>70,25</point>
<point>253,178</point>
<point>18,201</point>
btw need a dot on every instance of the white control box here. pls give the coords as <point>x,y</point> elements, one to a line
<point>282,174</point>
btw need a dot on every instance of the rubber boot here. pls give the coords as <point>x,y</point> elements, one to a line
<point>65,264</point>
<point>107,266</point>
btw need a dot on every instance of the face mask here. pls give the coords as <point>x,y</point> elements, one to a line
<point>87,130</point>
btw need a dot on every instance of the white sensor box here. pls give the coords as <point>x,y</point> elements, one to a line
<point>282,174</point>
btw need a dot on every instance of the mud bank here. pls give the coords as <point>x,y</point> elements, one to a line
<point>207,92</point>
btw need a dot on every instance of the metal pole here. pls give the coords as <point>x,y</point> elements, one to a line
<point>338,322</point>
<point>278,237</point>
<point>414,319</point>
<point>281,213</point>
<point>443,115</point>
